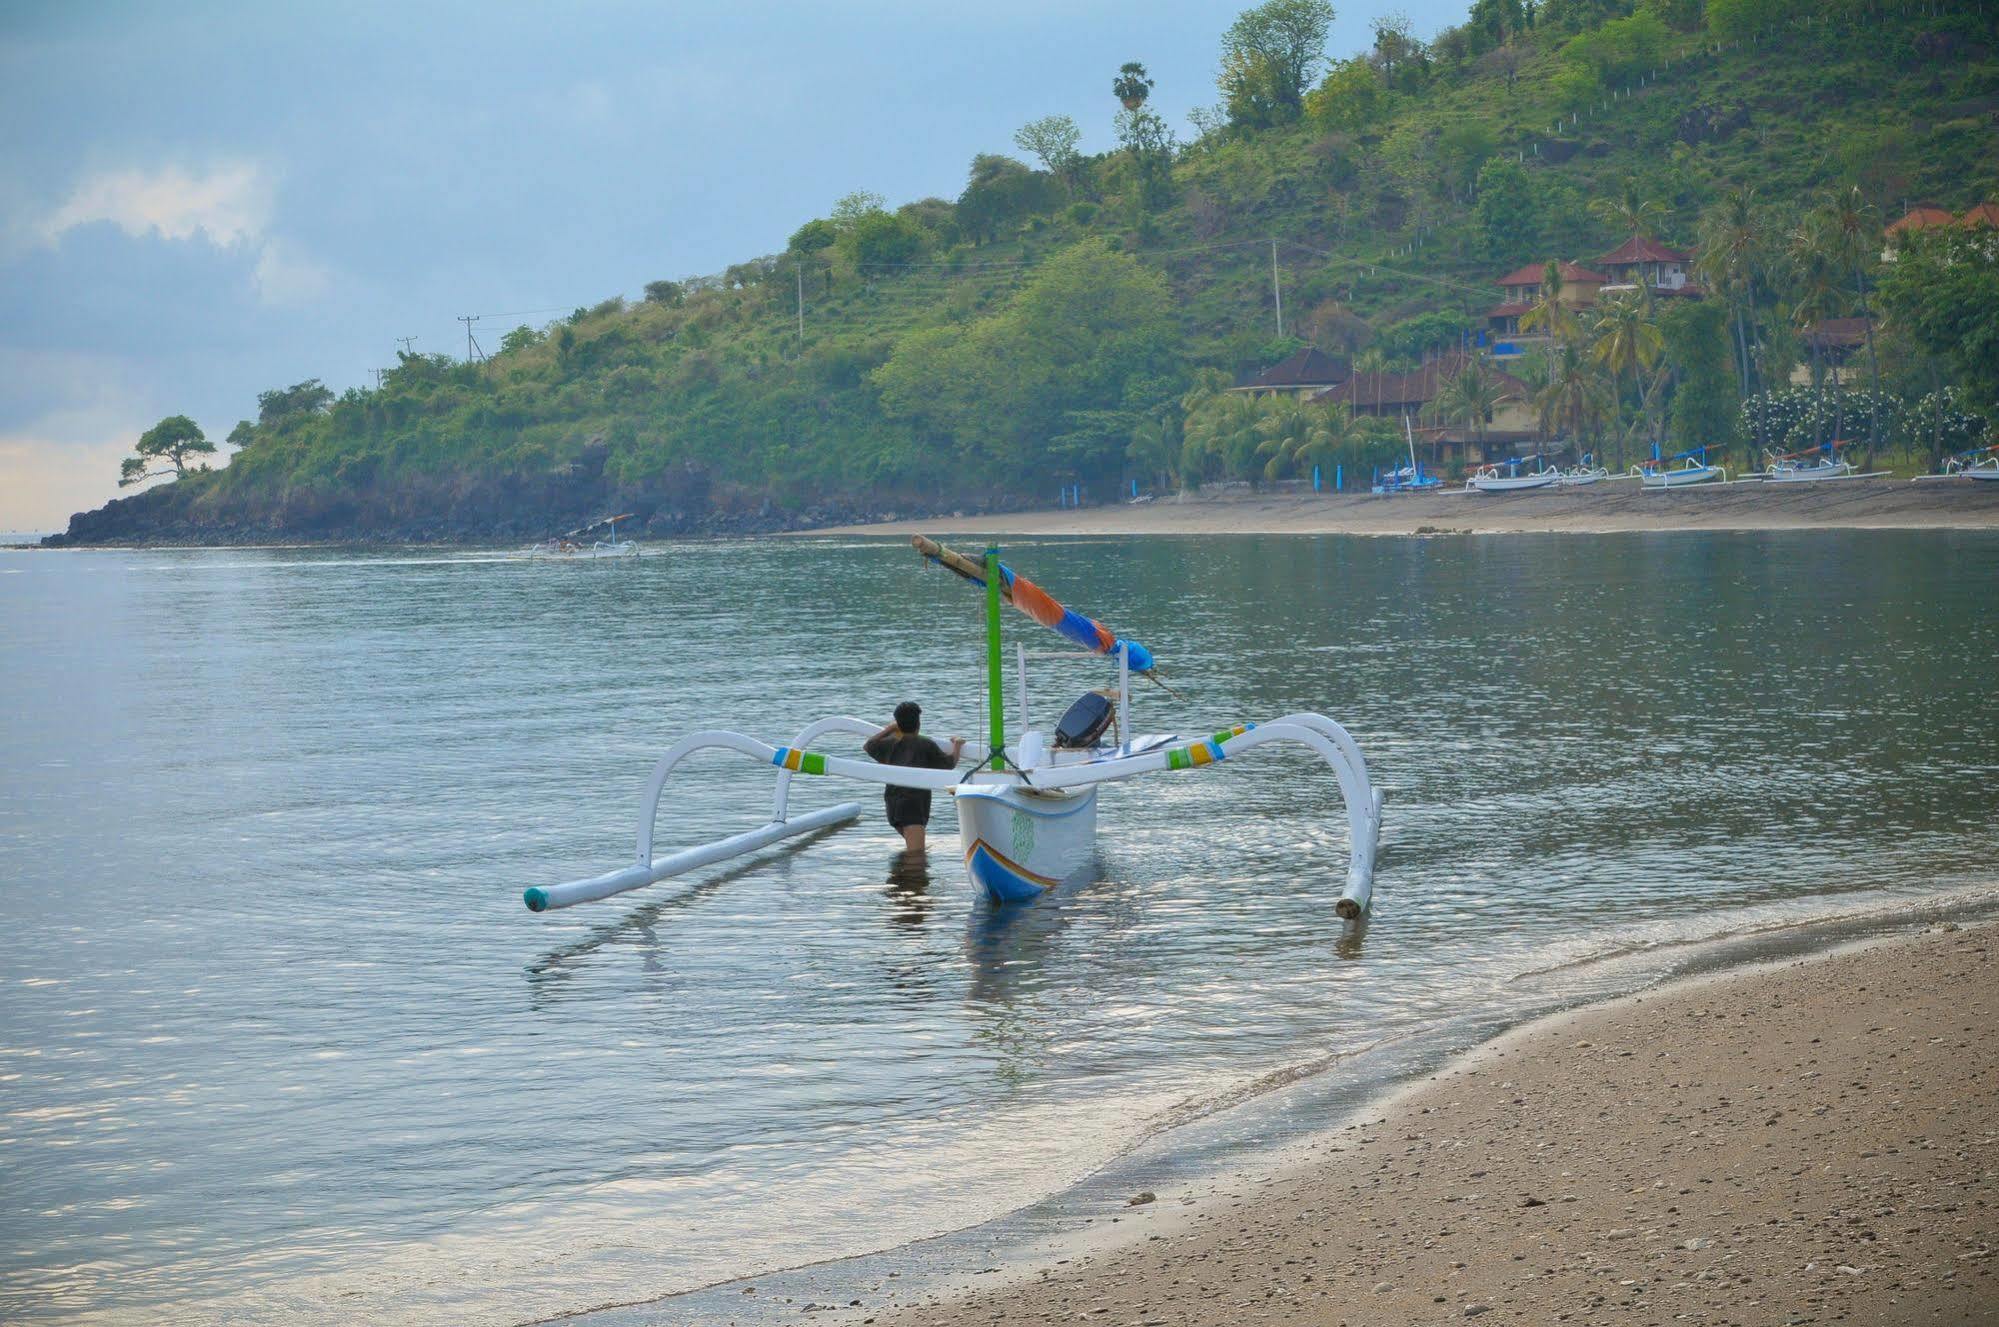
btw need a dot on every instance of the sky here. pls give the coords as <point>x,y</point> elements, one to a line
<point>201,201</point>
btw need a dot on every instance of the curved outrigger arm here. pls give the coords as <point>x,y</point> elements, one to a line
<point>1328,739</point>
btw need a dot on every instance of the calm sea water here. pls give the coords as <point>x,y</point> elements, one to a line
<point>279,1043</point>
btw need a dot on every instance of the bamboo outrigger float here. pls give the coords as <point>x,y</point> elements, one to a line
<point>1027,814</point>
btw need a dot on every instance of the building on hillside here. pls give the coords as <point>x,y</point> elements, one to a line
<point>1513,430</point>
<point>1299,374</point>
<point>1839,345</point>
<point>1517,292</point>
<point>1643,261</point>
<point>1923,216</point>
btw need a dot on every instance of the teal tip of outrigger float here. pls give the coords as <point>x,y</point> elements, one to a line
<point>536,899</point>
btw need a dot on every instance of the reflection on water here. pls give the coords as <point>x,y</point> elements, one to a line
<point>280,1043</point>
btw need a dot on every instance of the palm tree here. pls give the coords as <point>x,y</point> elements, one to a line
<point>1225,428</point>
<point>1731,264</point>
<point>1549,312</point>
<point>1628,212</point>
<point>1820,287</point>
<point>1625,342</point>
<point>1468,398</point>
<point>1283,429</point>
<point>1855,225</point>
<point>1133,86</point>
<point>1573,393</point>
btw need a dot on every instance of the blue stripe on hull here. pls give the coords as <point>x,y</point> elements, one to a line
<point>1001,884</point>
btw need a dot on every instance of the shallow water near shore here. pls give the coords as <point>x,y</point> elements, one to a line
<point>280,1042</point>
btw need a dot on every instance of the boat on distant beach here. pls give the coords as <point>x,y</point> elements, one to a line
<point>569,545</point>
<point>1505,476</point>
<point>1027,812</point>
<point>1407,478</point>
<point>1584,471</point>
<point>1809,465</point>
<point>1660,472</point>
<point>1978,463</point>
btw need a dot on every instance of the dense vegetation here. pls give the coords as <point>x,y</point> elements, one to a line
<point>1070,318</point>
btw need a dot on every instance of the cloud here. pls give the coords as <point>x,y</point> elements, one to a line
<point>228,205</point>
<point>285,277</point>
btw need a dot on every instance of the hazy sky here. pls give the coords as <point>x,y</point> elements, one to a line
<point>199,201</point>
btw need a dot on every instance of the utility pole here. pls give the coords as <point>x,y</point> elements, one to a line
<point>800,272</point>
<point>472,351</point>
<point>407,342</point>
<point>379,373</point>
<point>1276,291</point>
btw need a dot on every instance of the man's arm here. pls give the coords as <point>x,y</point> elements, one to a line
<point>876,747</point>
<point>956,753</point>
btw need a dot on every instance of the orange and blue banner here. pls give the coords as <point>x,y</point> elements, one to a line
<point>1040,605</point>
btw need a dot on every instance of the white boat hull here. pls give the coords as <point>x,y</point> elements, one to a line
<point>1571,478</point>
<point>1986,473</point>
<point>1019,844</point>
<point>1805,474</point>
<point>1693,474</point>
<point>1508,483</point>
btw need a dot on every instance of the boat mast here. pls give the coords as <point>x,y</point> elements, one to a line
<point>995,668</point>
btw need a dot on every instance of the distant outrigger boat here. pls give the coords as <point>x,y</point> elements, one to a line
<point>1409,478</point>
<point>568,545</point>
<point>1027,813</point>
<point>1977,463</point>
<point>1810,465</point>
<point>1488,479</point>
<point>1584,471</point>
<point>1660,473</point>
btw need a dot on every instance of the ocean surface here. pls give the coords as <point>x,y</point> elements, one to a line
<point>279,1043</point>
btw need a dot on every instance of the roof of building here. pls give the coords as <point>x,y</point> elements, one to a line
<point>1837,333</point>
<point>1534,273</point>
<point>1920,217</point>
<point>1416,387</point>
<point>1985,214</point>
<point>1511,310</point>
<point>1310,367</point>
<point>1643,249</point>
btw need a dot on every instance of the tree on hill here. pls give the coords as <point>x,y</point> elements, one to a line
<point>1132,85</point>
<point>671,293</point>
<point>280,403</point>
<point>1350,97</point>
<point>172,440</point>
<point>1628,211</point>
<point>1003,192</point>
<point>1269,57</point>
<point>1052,139</point>
<point>1150,145</point>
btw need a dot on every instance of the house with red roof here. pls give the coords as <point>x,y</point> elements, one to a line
<point>1643,261</point>
<point>1520,288</point>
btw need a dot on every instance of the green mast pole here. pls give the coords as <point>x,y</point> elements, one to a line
<point>995,672</point>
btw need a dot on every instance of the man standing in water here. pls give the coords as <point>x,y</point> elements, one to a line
<point>901,744</point>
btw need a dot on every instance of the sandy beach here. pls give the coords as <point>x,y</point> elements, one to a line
<point>1810,1142</point>
<point>1882,504</point>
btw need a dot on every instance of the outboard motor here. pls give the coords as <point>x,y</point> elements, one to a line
<point>1084,722</point>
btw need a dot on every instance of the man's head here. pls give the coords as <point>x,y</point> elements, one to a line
<point>909,716</point>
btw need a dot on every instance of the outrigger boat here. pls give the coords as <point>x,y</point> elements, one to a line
<point>1027,813</point>
<point>1810,465</point>
<point>1584,471</point>
<point>1978,463</point>
<point>1488,479</point>
<point>1409,478</point>
<point>1660,473</point>
<point>569,543</point>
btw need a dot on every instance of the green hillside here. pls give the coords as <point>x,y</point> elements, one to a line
<point>1069,319</point>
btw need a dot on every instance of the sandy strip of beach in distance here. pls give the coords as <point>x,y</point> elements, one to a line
<point>1812,1142</point>
<point>1599,509</point>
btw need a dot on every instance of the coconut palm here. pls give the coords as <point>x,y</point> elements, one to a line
<point>1573,394</point>
<point>1133,85</point>
<point>1731,264</point>
<point>1625,342</point>
<point>1549,313</point>
<point>1818,286</point>
<point>1628,212</point>
<point>1283,428</point>
<point>1468,398</point>
<point>1224,428</point>
<point>1855,231</point>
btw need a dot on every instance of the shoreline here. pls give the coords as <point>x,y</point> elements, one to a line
<point>1800,1140</point>
<point>1610,508</point>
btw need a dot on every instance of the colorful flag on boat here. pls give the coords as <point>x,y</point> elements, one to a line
<point>1038,604</point>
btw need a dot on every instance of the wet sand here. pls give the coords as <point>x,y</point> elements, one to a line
<point>1880,504</point>
<point>1812,1142</point>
